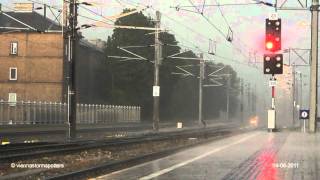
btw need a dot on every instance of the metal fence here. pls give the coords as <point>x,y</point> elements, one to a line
<point>56,113</point>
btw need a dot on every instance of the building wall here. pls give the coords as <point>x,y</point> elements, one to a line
<point>39,66</point>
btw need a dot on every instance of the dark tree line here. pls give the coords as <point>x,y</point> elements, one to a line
<point>130,82</point>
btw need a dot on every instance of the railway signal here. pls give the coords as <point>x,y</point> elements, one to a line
<point>273,35</point>
<point>273,64</point>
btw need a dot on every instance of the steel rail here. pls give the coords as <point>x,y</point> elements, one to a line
<point>59,149</point>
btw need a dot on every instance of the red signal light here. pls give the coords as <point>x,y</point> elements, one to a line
<point>272,43</point>
<point>269,45</point>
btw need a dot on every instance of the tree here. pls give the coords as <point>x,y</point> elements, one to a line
<point>130,82</point>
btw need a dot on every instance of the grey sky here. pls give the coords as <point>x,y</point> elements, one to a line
<point>191,29</point>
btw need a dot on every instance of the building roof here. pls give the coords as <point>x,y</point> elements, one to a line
<point>33,21</point>
<point>26,21</point>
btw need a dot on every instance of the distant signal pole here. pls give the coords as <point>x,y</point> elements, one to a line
<point>241,101</point>
<point>201,78</point>
<point>156,86</point>
<point>314,65</point>
<point>228,97</point>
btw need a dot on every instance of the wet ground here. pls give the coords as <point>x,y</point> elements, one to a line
<point>254,155</point>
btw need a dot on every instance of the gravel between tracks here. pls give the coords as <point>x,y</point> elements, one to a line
<point>88,158</point>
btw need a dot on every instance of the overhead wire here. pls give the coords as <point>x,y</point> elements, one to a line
<point>224,18</point>
<point>50,6</point>
<point>95,13</point>
<point>93,19</point>
<point>228,24</point>
<point>187,27</point>
<point>208,20</point>
<point>174,20</point>
<point>214,26</point>
<point>231,4</point>
<point>192,30</point>
<point>216,55</point>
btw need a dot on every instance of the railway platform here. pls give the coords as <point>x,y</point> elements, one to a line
<point>254,155</point>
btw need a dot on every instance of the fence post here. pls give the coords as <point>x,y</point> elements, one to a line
<point>22,113</point>
<point>65,113</point>
<point>45,113</point>
<point>54,115</point>
<point>107,114</point>
<point>78,113</point>
<point>110,111</point>
<point>15,114</point>
<point>93,113</point>
<point>113,110</point>
<point>127,113</point>
<point>20,119</point>
<point>130,113</point>
<point>85,114</point>
<point>99,114</point>
<point>40,113</point>
<point>49,112</point>
<point>60,116</point>
<point>139,113</point>
<point>9,114</point>
<point>27,112</point>
<point>118,115</point>
<point>34,112</point>
<point>103,114</point>
<point>89,114</point>
<point>95,110</point>
<point>1,112</point>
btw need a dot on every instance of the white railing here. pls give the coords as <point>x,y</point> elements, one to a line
<point>56,113</point>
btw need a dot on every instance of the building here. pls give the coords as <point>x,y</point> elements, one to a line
<point>31,57</point>
<point>33,64</point>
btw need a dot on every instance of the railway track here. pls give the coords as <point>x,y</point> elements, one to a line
<point>10,154</point>
<point>106,168</point>
<point>54,133</point>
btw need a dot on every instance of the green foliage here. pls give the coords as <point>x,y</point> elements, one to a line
<point>130,82</point>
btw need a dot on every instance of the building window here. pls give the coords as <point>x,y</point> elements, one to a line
<point>13,73</point>
<point>14,48</point>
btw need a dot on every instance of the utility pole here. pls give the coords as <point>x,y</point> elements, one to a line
<point>255,100</point>
<point>301,91</point>
<point>293,93</point>
<point>201,77</point>
<point>156,86</point>
<point>228,96</point>
<point>72,40</point>
<point>273,101</point>
<point>241,100</point>
<point>249,100</point>
<point>314,66</point>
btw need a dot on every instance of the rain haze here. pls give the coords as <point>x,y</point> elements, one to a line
<point>157,86</point>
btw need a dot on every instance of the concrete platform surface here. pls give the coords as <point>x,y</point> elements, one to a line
<point>254,155</point>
